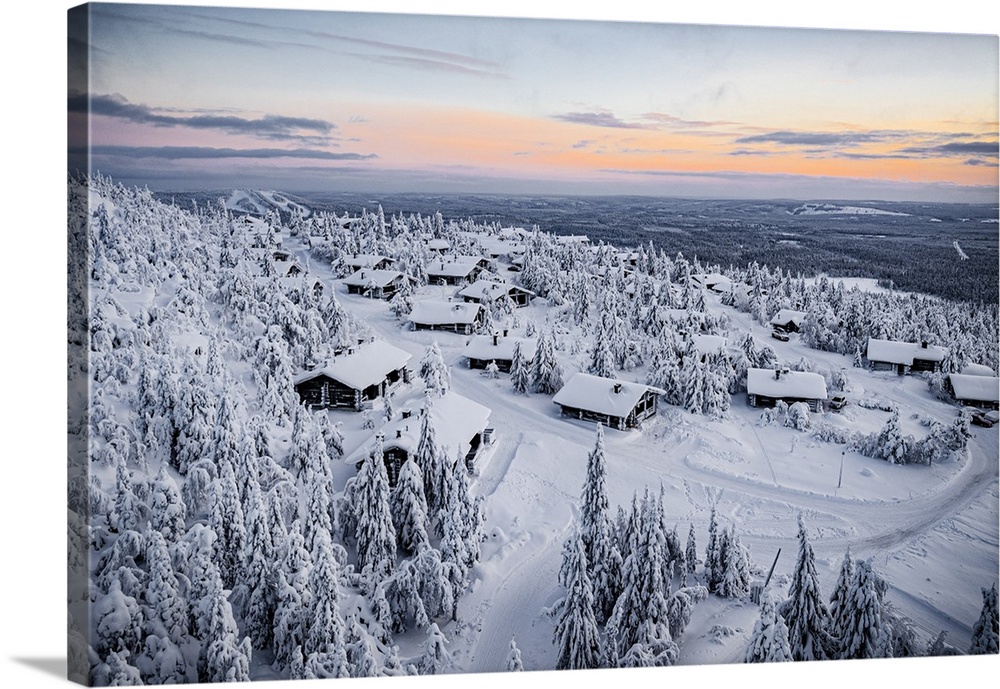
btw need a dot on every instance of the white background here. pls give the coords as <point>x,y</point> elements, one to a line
<point>32,397</point>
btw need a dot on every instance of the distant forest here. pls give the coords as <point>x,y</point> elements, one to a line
<point>946,250</point>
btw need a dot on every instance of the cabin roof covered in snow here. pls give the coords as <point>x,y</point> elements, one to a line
<point>788,316</point>
<point>367,365</point>
<point>975,387</point>
<point>453,267</point>
<point>456,419</point>
<point>978,370</point>
<point>369,276</point>
<point>903,352</point>
<point>596,394</point>
<point>790,384</point>
<point>438,244</point>
<point>429,312</point>
<point>366,260</point>
<point>481,347</point>
<point>488,289</point>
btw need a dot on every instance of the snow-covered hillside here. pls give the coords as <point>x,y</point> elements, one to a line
<point>259,202</point>
<point>221,508</point>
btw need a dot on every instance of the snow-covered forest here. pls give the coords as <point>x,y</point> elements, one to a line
<point>223,530</point>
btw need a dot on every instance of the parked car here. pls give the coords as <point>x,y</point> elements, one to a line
<point>838,402</point>
<point>779,335</point>
<point>985,419</point>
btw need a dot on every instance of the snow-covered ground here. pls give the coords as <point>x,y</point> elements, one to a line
<point>931,532</point>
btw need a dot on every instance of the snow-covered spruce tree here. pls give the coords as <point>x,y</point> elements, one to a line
<point>432,461</point>
<point>226,656</point>
<point>128,511</point>
<point>680,606</point>
<point>602,361</point>
<point>577,636</point>
<point>986,630</point>
<point>434,580</point>
<point>258,610</point>
<point>840,604</point>
<point>227,521</point>
<point>603,557</point>
<point>804,611</point>
<point>546,373</point>
<point>891,445</point>
<point>769,639</point>
<point>324,627</point>
<point>713,554</point>
<point>738,569</point>
<point>691,552</point>
<point>520,371</point>
<point>168,511</point>
<point>376,536</point>
<point>409,508</point>
<point>118,621</point>
<point>865,634</point>
<point>433,370</point>
<point>114,670</point>
<point>468,511</point>
<point>166,611</point>
<point>514,663</point>
<point>435,660</point>
<point>360,654</point>
<point>288,623</point>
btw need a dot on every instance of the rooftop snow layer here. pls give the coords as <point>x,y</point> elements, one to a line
<point>790,384</point>
<point>367,365</point>
<point>596,394</point>
<point>370,276</point>
<point>456,420</point>
<point>975,387</point>
<point>481,347</point>
<point>903,352</point>
<point>787,315</point>
<point>444,312</point>
<point>453,267</point>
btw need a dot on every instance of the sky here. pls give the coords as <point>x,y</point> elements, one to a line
<point>221,97</point>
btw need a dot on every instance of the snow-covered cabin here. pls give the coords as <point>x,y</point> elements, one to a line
<point>457,316</point>
<point>362,374</point>
<point>297,283</point>
<point>787,320</point>
<point>495,247</point>
<point>615,403</point>
<point>438,245</point>
<point>903,357</point>
<point>714,282</point>
<point>460,425</point>
<point>480,350</point>
<point>975,390</point>
<point>455,270</point>
<point>581,239</point>
<point>373,283</point>
<point>376,261</point>
<point>766,386</point>
<point>487,291</point>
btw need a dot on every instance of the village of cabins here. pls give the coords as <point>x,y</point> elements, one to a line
<point>371,370</point>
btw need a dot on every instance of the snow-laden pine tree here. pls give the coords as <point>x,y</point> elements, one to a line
<point>602,360</point>
<point>738,568</point>
<point>118,621</point>
<point>603,556</point>
<point>435,659</point>
<point>432,461</point>
<point>226,656</point>
<point>324,627</point>
<point>409,508</point>
<point>546,373</point>
<point>864,632</point>
<point>804,611</point>
<point>769,639</point>
<point>577,636</point>
<point>166,610</point>
<point>986,630</point>
<point>376,536</point>
<point>520,371</point>
<point>227,520</point>
<point>358,645</point>
<point>840,605</point>
<point>691,552</point>
<point>261,555</point>
<point>514,663</point>
<point>437,379</point>
<point>168,510</point>
<point>713,554</point>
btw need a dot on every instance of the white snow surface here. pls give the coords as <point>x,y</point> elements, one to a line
<point>903,352</point>
<point>832,209</point>
<point>976,387</point>
<point>432,312</point>
<point>367,365</point>
<point>771,383</point>
<point>482,347</point>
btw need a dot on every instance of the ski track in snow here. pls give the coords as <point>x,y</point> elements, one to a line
<point>869,527</point>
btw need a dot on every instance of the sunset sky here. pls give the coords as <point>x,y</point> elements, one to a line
<point>214,98</point>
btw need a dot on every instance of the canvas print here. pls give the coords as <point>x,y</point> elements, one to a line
<point>404,344</point>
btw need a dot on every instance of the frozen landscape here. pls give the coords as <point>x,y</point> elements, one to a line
<point>209,325</point>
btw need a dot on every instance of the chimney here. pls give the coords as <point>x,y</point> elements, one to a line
<point>777,374</point>
<point>495,339</point>
<point>399,432</point>
<point>923,344</point>
<point>407,413</point>
<point>618,388</point>
<point>505,332</point>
